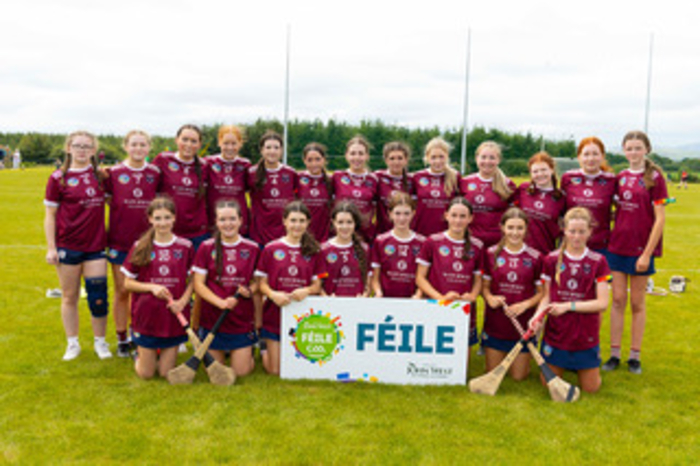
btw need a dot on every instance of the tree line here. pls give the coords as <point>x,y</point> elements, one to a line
<point>40,148</point>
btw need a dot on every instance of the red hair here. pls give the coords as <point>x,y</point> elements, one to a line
<point>544,157</point>
<point>594,140</point>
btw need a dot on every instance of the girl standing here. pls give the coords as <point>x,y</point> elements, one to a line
<point>290,269</point>
<point>273,185</point>
<point>434,187</point>
<point>592,186</point>
<point>635,241</point>
<point>575,292</point>
<point>316,190</point>
<point>157,271</point>
<point>227,175</point>
<point>512,287</point>
<point>543,202</point>
<point>74,226</point>
<point>345,254</point>
<point>130,187</point>
<point>395,178</point>
<point>183,179</point>
<point>394,253</point>
<point>224,266</point>
<point>489,191</point>
<point>450,263</point>
<point>358,185</point>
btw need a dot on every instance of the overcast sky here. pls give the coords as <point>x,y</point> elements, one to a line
<point>561,69</point>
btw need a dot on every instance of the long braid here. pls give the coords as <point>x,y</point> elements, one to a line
<point>219,251</point>
<point>560,260</point>
<point>360,255</point>
<point>309,245</point>
<point>64,168</point>
<point>141,256</point>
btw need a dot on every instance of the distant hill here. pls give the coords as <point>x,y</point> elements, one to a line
<point>687,151</point>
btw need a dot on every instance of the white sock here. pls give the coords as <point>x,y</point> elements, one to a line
<point>100,340</point>
<point>73,341</point>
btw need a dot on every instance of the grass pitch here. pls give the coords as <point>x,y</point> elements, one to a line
<point>93,412</point>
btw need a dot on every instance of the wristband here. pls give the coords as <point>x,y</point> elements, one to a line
<point>573,305</point>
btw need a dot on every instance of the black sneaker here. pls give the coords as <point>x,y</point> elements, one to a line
<point>124,349</point>
<point>611,364</point>
<point>634,366</point>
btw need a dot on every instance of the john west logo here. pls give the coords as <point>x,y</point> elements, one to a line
<point>427,371</point>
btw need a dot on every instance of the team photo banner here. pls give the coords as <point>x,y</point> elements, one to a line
<point>399,341</point>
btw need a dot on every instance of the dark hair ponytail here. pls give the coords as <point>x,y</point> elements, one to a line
<point>357,245</point>
<point>309,245</point>
<point>321,149</point>
<point>260,170</point>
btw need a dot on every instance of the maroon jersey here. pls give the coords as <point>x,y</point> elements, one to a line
<point>227,179</point>
<point>268,202</point>
<point>343,268</point>
<point>596,194</point>
<point>80,214</point>
<point>488,207</point>
<point>131,190</point>
<point>516,277</point>
<point>396,260</point>
<point>286,270</point>
<point>388,184</point>
<point>237,268</point>
<point>634,217</point>
<point>431,202</point>
<point>544,213</point>
<point>313,192</point>
<point>578,281</point>
<point>179,181</point>
<point>361,190</point>
<point>170,267</point>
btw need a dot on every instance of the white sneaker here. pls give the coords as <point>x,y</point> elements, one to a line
<point>102,350</point>
<point>72,351</point>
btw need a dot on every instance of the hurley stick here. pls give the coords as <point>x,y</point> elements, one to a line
<point>559,389</point>
<point>488,383</point>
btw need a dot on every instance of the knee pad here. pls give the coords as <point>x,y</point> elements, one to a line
<point>96,288</point>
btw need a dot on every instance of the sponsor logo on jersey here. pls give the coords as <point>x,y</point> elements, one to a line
<point>471,187</point>
<point>415,250</point>
<point>73,182</point>
<point>389,249</point>
<point>279,255</point>
<point>274,192</point>
<point>164,270</point>
<point>588,192</point>
<point>500,261</point>
<point>345,180</point>
<point>216,167</point>
<point>138,193</point>
<point>539,205</point>
<point>245,254</point>
<point>401,265</point>
<point>479,199</point>
<point>357,193</point>
<point>293,271</point>
<point>153,255</point>
<point>213,254</point>
<point>124,178</point>
<point>572,284</point>
<point>90,192</point>
<point>304,180</point>
<point>602,181</point>
<point>424,182</point>
<point>177,254</point>
<point>512,277</point>
<point>641,182</point>
<point>444,251</point>
<point>314,192</point>
<point>345,271</point>
<point>173,167</point>
<point>527,263</point>
<point>576,181</point>
<point>435,193</point>
<point>627,195</point>
<point>623,180</point>
<point>285,178</point>
<point>457,266</point>
<point>562,267</point>
<point>332,258</point>
<point>231,269</point>
<point>228,180</point>
<point>586,269</point>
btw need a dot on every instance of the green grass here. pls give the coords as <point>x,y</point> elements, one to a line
<point>89,411</point>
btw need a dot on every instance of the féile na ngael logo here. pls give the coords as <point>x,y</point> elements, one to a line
<point>317,337</point>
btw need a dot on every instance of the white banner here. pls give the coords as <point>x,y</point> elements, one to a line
<point>401,341</point>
